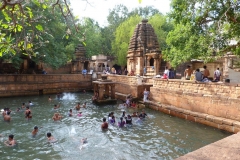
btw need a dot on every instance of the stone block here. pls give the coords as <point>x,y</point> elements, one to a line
<point>226,127</point>
<point>228,121</point>
<point>209,118</point>
<point>166,111</point>
<point>191,118</point>
<point>236,129</point>
<point>206,122</point>
<point>218,120</point>
<point>236,124</point>
<point>177,114</point>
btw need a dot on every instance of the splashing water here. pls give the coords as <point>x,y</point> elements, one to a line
<point>68,96</point>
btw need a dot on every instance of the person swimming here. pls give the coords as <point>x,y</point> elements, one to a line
<point>112,121</point>
<point>84,140</point>
<point>23,105</point>
<point>135,114</point>
<point>70,114</point>
<point>11,142</point>
<point>30,103</point>
<point>79,114</point>
<point>78,107</point>
<point>7,117</point>
<point>129,120</point>
<point>18,109</point>
<point>57,117</point>
<point>84,105</point>
<point>121,123</point>
<point>49,98</point>
<point>104,124</point>
<point>35,131</point>
<point>28,113</point>
<point>56,106</point>
<point>50,138</point>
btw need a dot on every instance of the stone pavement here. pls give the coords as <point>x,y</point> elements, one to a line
<point>225,149</point>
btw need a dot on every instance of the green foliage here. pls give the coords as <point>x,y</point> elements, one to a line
<point>161,27</point>
<point>122,37</point>
<point>93,42</point>
<point>202,27</point>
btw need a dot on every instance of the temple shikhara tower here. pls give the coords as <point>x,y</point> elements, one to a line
<point>81,62</point>
<point>143,51</point>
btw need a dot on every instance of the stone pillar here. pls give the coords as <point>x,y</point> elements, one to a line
<point>101,91</point>
<point>225,68</point>
<point>107,89</point>
<point>112,91</point>
<point>156,66</point>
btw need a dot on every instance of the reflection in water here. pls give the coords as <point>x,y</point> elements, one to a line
<point>159,137</point>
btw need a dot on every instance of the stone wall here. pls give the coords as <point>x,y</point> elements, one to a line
<point>129,85</point>
<point>221,100</point>
<point>20,85</point>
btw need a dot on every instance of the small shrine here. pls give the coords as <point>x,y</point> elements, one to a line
<point>144,55</point>
<point>81,61</point>
<point>104,91</point>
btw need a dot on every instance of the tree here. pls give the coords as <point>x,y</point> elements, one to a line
<point>122,37</point>
<point>162,26</point>
<point>201,28</point>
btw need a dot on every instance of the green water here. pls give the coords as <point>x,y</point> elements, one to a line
<point>159,137</point>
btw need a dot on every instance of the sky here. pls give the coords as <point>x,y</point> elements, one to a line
<point>99,9</point>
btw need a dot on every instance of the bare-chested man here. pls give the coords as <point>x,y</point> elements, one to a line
<point>104,124</point>
<point>35,131</point>
<point>188,72</point>
<point>56,106</point>
<point>7,117</point>
<point>11,142</point>
<point>57,117</point>
<point>78,107</point>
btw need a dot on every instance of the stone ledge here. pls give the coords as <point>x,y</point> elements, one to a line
<point>210,120</point>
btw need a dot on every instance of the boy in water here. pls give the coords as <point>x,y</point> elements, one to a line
<point>56,117</point>
<point>50,138</point>
<point>11,142</point>
<point>104,124</point>
<point>7,117</point>
<point>35,131</point>
<point>56,106</point>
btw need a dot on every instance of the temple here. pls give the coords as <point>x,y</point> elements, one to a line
<point>144,51</point>
<point>81,61</point>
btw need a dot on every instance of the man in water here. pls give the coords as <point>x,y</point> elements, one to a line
<point>78,107</point>
<point>7,117</point>
<point>56,117</point>
<point>142,115</point>
<point>56,106</point>
<point>35,131</point>
<point>84,105</point>
<point>28,113</point>
<point>70,114</point>
<point>104,124</point>
<point>11,142</point>
<point>50,138</point>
